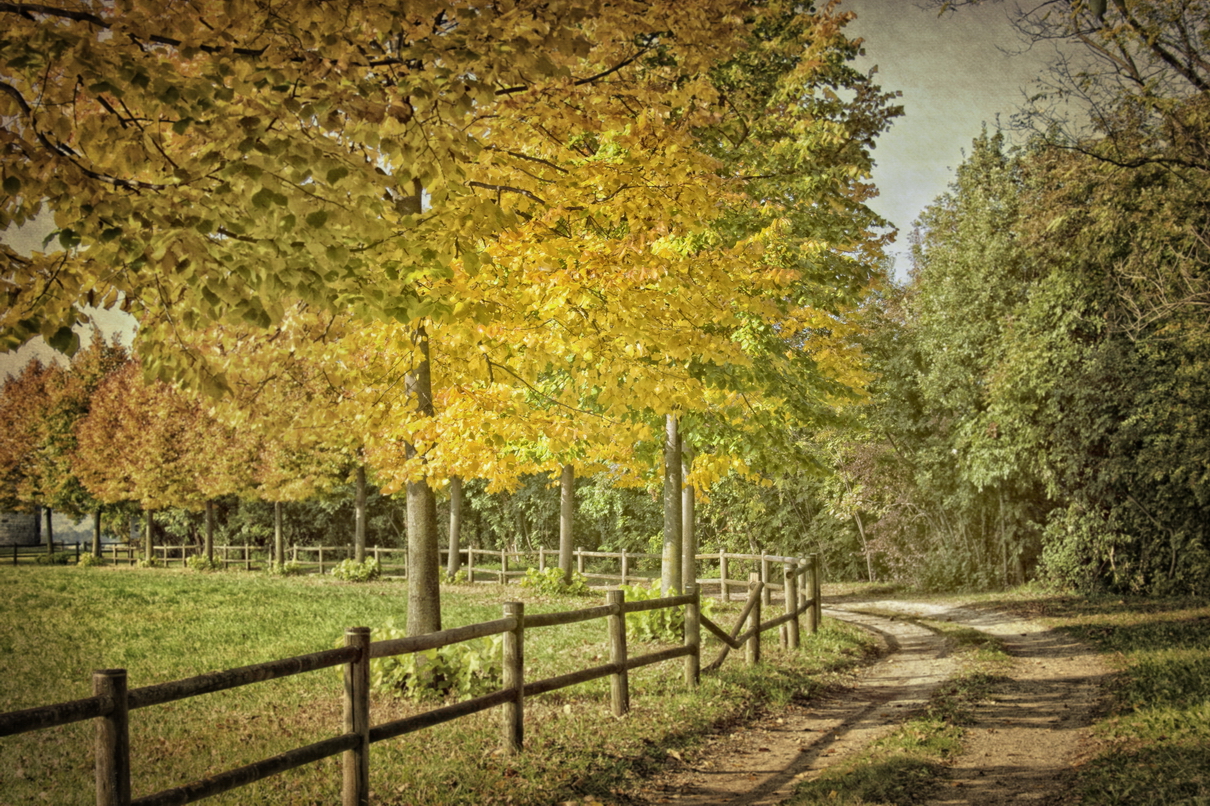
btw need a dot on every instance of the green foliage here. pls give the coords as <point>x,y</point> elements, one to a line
<point>200,562</point>
<point>460,577</point>
<point>293,569</point>
<point>57,558</point>
<point>550,583</point>
<point>89,561</point>
<point>663,624</point>
<point>462,670</point>
<point>353,571</point>
<point>146,563</point>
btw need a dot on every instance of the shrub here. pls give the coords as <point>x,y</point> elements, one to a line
<point>664,624</point>
<point>550,583</point>
<point>459,577</point>
<point>58,558</point>
<point>145,563</point>
<point>291,569</point>
<point>89,561</point>
<point>199,562</point>
<point>353,571</point>
<point>467,669</point>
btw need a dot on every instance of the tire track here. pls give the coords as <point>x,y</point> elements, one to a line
<point>761,764</point>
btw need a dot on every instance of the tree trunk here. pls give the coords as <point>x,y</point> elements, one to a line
<point>209,544</point>
<point>96,532</point>
<point>688,513</point>
<point>148,554</point>
<point>359,527</point>
<point>865,546</point>
<point>50,531</point>
<point>567,511</point>
<point>424,589</point>
<point>670,565</point>
<point>279,539</point>
<point>454,560</point>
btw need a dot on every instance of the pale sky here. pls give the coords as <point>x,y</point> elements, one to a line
<point>953,76</point>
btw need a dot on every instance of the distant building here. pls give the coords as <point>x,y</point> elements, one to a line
<point>20,528</point>
<point>29,529</point>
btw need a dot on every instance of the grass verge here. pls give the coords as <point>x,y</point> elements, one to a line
<point>903,768</point>
<point>61,623</point>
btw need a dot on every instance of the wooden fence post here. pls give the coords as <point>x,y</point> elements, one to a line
<point>321,560</point>
<point>817,585</point>
<point>514,678</point>
<point>625,568</point>
<point>812,594</point>
<point>580,560</point>
<point>792,634</point>
<point>247,557</point>
<point>722,575</point>
<point>767,591</point>
<point>693,637</point>
<point>752,648</point>
<point>541,559</point>
<point>470,564</point>
<point>113,739</point>
<point>503,567</point>
<point>357,719</point>
<point>619,681</point>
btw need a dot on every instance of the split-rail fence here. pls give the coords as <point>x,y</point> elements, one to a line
<point>113,700</point>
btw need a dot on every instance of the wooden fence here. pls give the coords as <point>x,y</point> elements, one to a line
<point>43,554</point>
<point>112,700</point>
<point>502,566</point>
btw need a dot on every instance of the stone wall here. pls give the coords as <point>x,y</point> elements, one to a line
<point>20,529</point>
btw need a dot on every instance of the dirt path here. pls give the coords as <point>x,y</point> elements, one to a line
<point>1021,749</point>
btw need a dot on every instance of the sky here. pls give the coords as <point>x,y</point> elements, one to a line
<point>956,72</point>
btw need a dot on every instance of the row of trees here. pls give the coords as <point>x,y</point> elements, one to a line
<point>458,241</point>
<point>1043,382</point>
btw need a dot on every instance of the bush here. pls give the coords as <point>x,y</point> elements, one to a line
<point>291,569</point>
<point>467,669</point>
<point>145,563</point>
<point>550,583</point>
<point>353,571</point>
<point>459,577</point>
<point>664,624</point>
<point>199,562</point>
<point>89,561</point>
<point>58,558</point>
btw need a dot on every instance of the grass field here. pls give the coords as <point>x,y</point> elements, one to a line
<point>61,623</point>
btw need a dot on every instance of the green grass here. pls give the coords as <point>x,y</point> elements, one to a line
<point>903,768</point>
<point>59,624</point>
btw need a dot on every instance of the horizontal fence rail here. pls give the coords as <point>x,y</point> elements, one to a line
<point>112,701</point>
